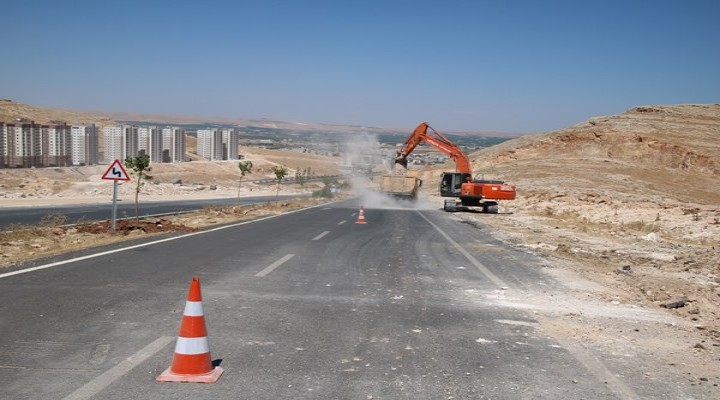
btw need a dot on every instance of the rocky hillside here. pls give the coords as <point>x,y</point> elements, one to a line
<point>11,111</point>
<point>631,201</point>
<point>658,152</point>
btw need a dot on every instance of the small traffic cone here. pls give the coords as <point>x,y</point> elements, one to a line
<point>361,216</point>
<point>192,361</point>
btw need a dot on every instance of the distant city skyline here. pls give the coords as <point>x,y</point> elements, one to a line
<point>518,66</point>
<point>27,144</point>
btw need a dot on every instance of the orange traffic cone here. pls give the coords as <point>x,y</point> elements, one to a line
<point>361,216</point>
<point>192,361</point>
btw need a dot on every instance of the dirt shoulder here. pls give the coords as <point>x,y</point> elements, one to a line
<point>635,294</point>
<point>51,238</point>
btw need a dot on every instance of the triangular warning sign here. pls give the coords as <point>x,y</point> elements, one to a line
<point>116,172</point>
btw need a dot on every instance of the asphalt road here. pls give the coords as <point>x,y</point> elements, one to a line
<point>308,305</point>
<point>103,211</point>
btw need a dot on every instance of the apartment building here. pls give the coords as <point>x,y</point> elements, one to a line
<point>143,133</point>
<point>25,144</point>
<point>84,143</point>
<point>56,145</point>
<point>230,141</point>
<point>120,142</point>
<point>3,144</point>
<point>7,144</point>
<point>150,142</point>
<point>28,145</point>
<point>114,138</point>
<point>210,144</point>
<point>161,144</point>
<point>173,139</point>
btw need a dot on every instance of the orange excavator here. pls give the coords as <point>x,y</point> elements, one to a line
<point>459,184</point>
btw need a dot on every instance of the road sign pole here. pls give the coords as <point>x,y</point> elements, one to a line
<point>115,173</point>
<point>114,206</point>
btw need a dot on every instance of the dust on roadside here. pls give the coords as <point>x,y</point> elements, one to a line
<point>613,266</point>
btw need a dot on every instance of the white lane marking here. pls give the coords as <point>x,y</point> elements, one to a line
<point>483,269</point>
<point>104,253</point>
<point>597,368</point>
<point>105,379</point>
<point>342,222</point>
<point>274,265</point>
<point>320,236</point>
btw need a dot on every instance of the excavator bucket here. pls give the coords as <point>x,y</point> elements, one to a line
<point>402,161</point>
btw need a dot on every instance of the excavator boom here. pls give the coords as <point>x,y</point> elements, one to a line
<point>424,132</point>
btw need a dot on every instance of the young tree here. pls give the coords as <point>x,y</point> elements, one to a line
<point>245,168</point>
<point>139,165</point>
<point>280,173</point>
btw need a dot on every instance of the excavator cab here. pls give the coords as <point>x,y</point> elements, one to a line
<point>451,183</point>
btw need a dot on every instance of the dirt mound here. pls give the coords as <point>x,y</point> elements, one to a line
<point>127,226</point>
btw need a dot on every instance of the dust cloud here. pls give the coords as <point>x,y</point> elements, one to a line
<point>364,160</point>
<point>377,200</point>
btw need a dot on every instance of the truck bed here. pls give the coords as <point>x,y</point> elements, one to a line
<point>399,186</point>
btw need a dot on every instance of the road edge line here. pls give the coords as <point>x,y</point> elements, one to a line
<point>100,382</point>
<point>474,261</point>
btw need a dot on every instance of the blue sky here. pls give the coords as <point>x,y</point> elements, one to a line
<point>509,66</point>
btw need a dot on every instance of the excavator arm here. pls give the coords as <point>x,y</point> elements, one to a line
<point>425,133</point>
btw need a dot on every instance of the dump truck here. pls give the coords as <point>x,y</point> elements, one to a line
<point>400,186</point>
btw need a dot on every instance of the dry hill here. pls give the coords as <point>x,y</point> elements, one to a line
<point>631,201</point>
<point>655,152</point>
<point>11,111</point>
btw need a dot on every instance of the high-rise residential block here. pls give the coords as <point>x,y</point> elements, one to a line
<point>26,144</point>
<point>150,142</point>
<point>56,143</point>
<point>210,144</point>
<point>84,139</point>
<point>120,142</point>
<point>230,144</point>
<point>173,144</point>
